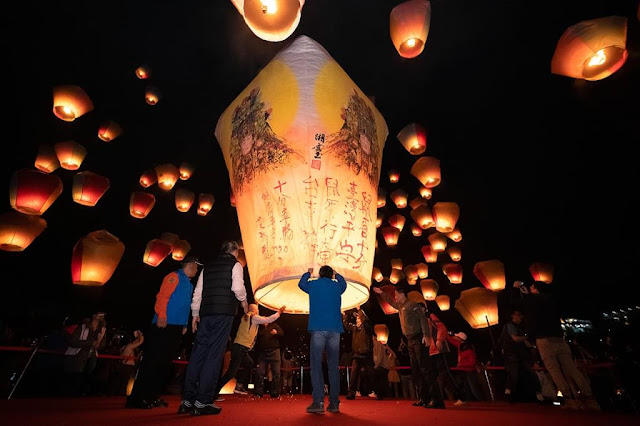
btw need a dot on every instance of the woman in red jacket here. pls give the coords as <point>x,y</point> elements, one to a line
<point>437,351</point>
<point>467,361</point>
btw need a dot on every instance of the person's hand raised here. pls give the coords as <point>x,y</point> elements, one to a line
<point>282,309</point>
<point>377,290</point>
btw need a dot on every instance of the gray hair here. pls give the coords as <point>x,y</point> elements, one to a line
<point>229,247</point>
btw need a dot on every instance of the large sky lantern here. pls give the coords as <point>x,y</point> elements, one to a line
<point>423,217</point>
<point>397,221</point>
<point>414,138</point>
<point>479,307</point>
<point>303,146</point>
<point>180,250</point>
<point>438,242</point>
<point>379,219</point>
<point>592,50</point>
<point>455,253</point>
<point>109,130</point>
<point>430,255</point>
<point>416,230</point>
<point>148,178</point>
<point>167,175</point>
<point>491,274</point>
<point>95,258</point>
<point>70,154</point>
<point>394,176</point>
<point>88,188</point>
<point>427,171</point>
<point>377,274</point>
<point>445,215</point>
<point>411,273</point>
<point>46,160</point>
<point>140,204</point>
<point>186,170</point>
<point>390,235</point>
<point>171,238</point>
<point>423,270</point>
<point>32,192</point>
<point>453,271</point>
<point>70,102</point>
<point>143,72</point>
<point>399,197</point>
<point>152,95</point>
<point>542,272</point>
<point>382,333</point>
<point>429,289</point>
<point>454,235</point>
<point>444,302</point>
<point>271,20</point>
<point>17,230</point>
<point>156,251</point>
<point>396,263</point>
<point>382,197</point>
<point>409,27</point>
<point>384,305</point>
<point>417,202</point>
<point>425,192</point>
<point>184,199</point>
<point>205,202</point>
<point>396,276</point>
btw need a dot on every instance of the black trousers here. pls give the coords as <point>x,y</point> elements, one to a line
<point>239,358</point>
<point>518,367</point>
<point>271,357</point>
<point>160,346</point>
<point>356,364</point>
<point>445,379</point>
<point>423,373</point>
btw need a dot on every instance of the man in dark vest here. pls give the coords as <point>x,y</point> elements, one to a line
<point>215,302</point>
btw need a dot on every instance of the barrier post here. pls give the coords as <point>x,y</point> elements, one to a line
<point>301,378</point>
<point>33,353</point>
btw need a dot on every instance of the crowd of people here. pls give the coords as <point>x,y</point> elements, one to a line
<point>443,364</point>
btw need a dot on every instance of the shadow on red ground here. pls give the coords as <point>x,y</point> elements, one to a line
<point>290,410</point>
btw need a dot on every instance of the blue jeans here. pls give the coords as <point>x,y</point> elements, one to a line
<point>321,341</point>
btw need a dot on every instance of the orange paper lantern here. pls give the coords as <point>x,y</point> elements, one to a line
<point>32,192</point>
<point>180,250</point>
<point>384,305</point>
<point>399,197</point>
<point>423,270</point>
<point>152,95</point>
<point>143,72</point>
<point>382,197</point>
<point>445,215</point>
<point>455,253</point>
<point>425,192</point>
<point>453,271</point>
<point>409,27</point>
<point>479,307</point>
<point>396,264</point>
<point>491,274</point>
<point>390,235</point>
<point>429,289</point>
<point>416,230</point>
<point>542,272</point>
<point>206,202</point>
<point>417,202</point>
<point>377,274</point>
<point>186,170</point>
<point>382,333</point>
<point>271,20</point>
<point>70,102</point>
<point>46,160</point>
<point>416,296</point>
<point>95,258</point>
<point>17,230</point>
<point>140,204</point>
<point>430,255</point>
<point>379,219</point>
<point>70,154</point>
<point>397,221</point>
<point>109,130</point>
<point>411,272</point>
<point>148,178</point>
<point>427,170</point>
<point>443,301</point>
<point>88,188</point>
<point>170,238</point>
<point>423,217</point>
<point>156,251</point>
<point>414,138</point>
<point>184,199</point>
<point>438,242</point>
<point>167,175</point>
<point>394,176</point>
<point>455,235</point>
<point>396,276</point>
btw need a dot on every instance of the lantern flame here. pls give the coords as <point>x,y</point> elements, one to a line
<point>269,7</point>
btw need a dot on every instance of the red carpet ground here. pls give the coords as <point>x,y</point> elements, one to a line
<point>245,410</point>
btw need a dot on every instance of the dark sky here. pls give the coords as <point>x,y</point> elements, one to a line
<point>543,167</point>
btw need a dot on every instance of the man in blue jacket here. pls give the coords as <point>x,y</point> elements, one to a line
<point>172,308</point>
<point>325,326</point>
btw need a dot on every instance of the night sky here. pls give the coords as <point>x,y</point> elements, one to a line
<point>544,167</point>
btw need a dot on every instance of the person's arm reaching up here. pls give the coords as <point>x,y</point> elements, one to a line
<point>167,288</point>
<point>341,282</point>
<point>257,319</point>
<point>303,284</point>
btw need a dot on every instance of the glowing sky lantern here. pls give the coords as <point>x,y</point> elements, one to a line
<point>271,20</point>
<point>70,102</point>
<point>386,307</point>
<point>379,219</point>
<point>417,202</point>
<point>95,258</point>
<point>143,72</point>
<point>382,197</point>
<point>479,307</point>
<point>438,242</point>
<point>382,333</point>
<point>429,289</point>
<point>152,95</point>
<point>443,302</point>
<point>394,176</point>
<point>288,143</point>
<point>167,175</point>
<point>491,274</point>
<point>423,270</point>
<point>453,271</point>
<point>88,188</point>
<point>445,215</point>
<point>180,250</point>
<point>46,160</point>
<point>427,171</point>
<point>411,273</point>
<point>377,274</point>
<point>156,251</point>
<point>414,138</point>
<point>140,204</point>
<point>430,255</point>
<point>205,202</point>
<point>184,199</point>
<point>170,237</point>
<point>423,217</point>
<point>70,154</point>
<point>186,170</point>
<point>592,50</point>
<point>396,276</point>
<point>396,264</point>
<point>542,272</point>
<point>17,230</point>
<point>397,221</point>
<point>416,230</point>
<point>399,197</point>
<point>455,253</point>
<point>33,192</point>
<point>454,235</point>
<point>425,192</point>
<point>148,178</point>
<point>109,130</point>
<point>409,27</point>
<point>390,235</point>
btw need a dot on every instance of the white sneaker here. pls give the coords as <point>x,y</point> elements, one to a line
<point>219,399</point>
<point>358,393</point>
<point>460,402</point>
<point>373,395</point>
